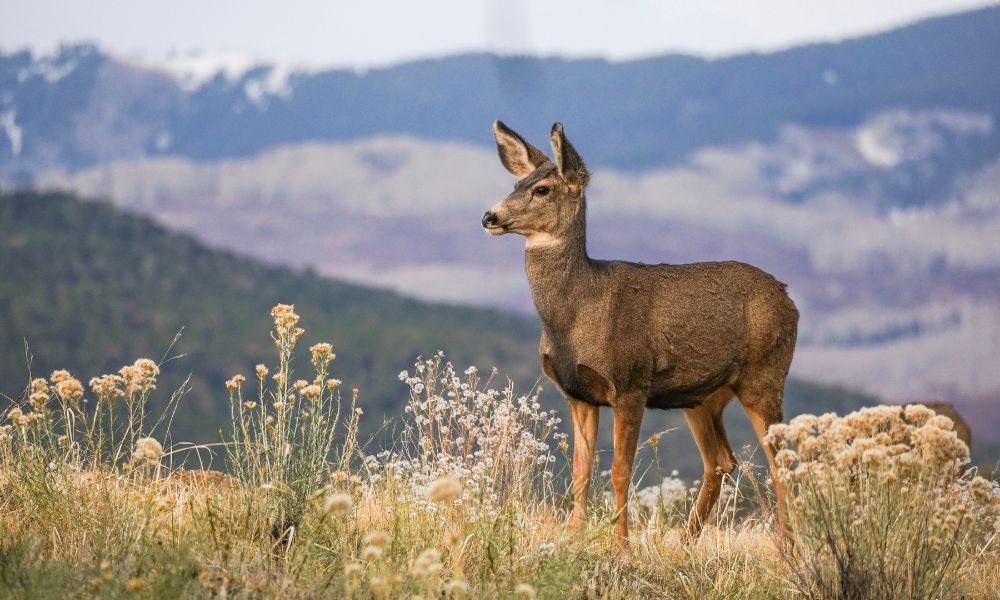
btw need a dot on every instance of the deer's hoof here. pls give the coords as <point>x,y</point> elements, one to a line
<point>690,534</point>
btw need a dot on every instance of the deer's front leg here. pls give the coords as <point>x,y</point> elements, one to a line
<point>628,417</point>
<point>585,419</point>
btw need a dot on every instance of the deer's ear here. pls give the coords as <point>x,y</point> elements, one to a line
<point>518,156</point>
<point>571,166</point>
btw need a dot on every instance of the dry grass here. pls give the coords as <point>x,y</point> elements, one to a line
<point>468,503</point>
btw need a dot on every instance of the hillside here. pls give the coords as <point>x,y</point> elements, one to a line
<point>91,288</point>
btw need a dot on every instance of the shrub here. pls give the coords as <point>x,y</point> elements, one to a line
<point>879,505</point>
<point>282,447</point>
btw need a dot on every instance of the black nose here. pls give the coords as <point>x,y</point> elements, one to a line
<point>489,219</point>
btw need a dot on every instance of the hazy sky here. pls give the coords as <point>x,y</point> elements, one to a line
<point>373,32</point>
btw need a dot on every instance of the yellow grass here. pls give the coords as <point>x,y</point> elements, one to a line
<point>466,504</point>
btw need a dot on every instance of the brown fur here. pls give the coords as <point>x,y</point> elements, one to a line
<point>633,336</point>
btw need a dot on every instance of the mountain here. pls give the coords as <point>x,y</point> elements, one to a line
<point>90,288</point>
<point>862,173</point>
<point>82,107</point>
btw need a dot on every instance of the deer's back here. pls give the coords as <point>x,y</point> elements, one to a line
<point>679,331</point>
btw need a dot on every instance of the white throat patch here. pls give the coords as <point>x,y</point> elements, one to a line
<point>540,240</point>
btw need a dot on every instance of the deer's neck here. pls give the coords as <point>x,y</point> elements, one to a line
<point>560,273</point>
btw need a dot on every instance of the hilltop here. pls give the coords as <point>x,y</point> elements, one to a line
<point>91,288</point>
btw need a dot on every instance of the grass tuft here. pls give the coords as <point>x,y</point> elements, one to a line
<point>470,501</point>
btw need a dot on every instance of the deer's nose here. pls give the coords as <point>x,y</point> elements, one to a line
<point>489,219</point>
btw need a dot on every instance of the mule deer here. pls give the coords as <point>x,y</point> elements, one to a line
<point>633,336</point>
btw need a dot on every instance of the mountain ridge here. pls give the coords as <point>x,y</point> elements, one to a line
<point>635,115</point>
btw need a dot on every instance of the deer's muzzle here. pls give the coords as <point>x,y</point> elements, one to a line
<point>492,223</point>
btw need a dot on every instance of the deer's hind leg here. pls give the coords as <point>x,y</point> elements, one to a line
<point>763,405</point>
<point>709,432</point>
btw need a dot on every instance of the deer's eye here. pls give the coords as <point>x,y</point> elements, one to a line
<point>541,191</point>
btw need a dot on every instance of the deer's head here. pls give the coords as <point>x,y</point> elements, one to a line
<point>547,203</point>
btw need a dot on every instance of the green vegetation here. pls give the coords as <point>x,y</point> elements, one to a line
<point>89,288</point>
<point>469,501</point>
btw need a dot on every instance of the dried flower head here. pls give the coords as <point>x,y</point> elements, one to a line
<point>147,368</point>
<point>339,504</point>
<point>148,449</point>
<point>285,320</point>
<point>445,489</point>
<point>235,382</point>
<point>140,376</point>
<point>427,564</point>
<point>130,376</point>
<point>917,414</point>
<point>452,537</point>
<point>39,400</point>
<point>322,352</point>
<point>786,458</point>
<point>70,389</point>
<point>379,585</point>
<point>261,371</point>
<point>941,422</point>
<point>352,575</point>
<point>108,386</point>
<point>60,375</point>
<point>379,539</point>
<point>371,553</point>
<point>456,588</point>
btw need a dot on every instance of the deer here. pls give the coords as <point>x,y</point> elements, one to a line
<point>634,336</point>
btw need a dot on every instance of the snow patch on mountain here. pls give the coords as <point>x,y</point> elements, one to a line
<point>192,70</point>
<point>899,136</point>
<point>266,82</point>
<point>56,66</point>
<point>8,123</point>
